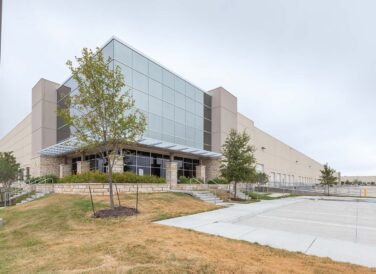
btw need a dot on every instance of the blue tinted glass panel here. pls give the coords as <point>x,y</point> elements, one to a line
<point>155,71</point>
<point>141,100</point>
<point>179,100</point>
<point>190,119</point>
<point>199,96</point>
<point>155,105</point>
<point>179,85</point>
<point>140,81</point>
<point>108,51</point>
<point>123,54</point>
<point>140,63</point>
<point>127,72</point>
<point>168,78</point>
<point>155,134</point>
<point>199,123</point>
<point>190,105</point>
<point>190,133</point>
<point>155,88</point>
<point>168,127</point>
<point>190,91</point>
<point>199,109</point>
<point>168,94</point>
<point>168,110</point>
<point>168,138</point>
<point>155,123</point>
<point>179,115</point>
<point>179,131</point>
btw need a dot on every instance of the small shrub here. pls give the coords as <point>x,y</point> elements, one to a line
<point>193,180</point>
<point>130,177</point>
<point>100,177</point>
<point>47,179</point>
<point>218,180</point>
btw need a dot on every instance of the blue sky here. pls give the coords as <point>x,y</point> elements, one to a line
<point>304,71</point>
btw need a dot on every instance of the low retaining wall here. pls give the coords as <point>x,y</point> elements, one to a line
<point>100,189</point>
<point>103,189</point>
<point>226,187</point>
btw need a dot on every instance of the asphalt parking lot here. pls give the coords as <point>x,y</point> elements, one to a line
<point>342,230</point>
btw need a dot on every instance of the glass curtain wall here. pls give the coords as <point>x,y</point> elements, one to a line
<point>176,111</point>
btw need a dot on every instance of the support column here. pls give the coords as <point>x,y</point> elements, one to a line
<point>118,163</point>
<point>201,172</point>
<point>172,173</point>
<point>83,167</point>
<point>65,170</point>
<point>212,168</point>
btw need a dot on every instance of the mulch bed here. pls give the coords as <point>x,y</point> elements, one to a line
<point>117,212</point>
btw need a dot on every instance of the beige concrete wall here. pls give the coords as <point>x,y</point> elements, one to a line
<point>43,115</point>
<point>363,179</point>
<point>279,160</point>
<point>18,140</point>
<point>224,116</point>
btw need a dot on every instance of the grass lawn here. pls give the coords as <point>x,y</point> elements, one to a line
<point>56,234</point>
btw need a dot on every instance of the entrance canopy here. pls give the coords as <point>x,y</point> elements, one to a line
<point>71,145</point>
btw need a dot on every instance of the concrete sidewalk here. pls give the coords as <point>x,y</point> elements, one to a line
<point>341,230</point>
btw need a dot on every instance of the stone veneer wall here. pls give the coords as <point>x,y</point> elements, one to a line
<point>44,165</point>
<point>211,186</point>
<point>212,168</point>
<point>100,189</point>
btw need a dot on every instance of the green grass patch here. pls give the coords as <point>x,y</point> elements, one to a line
<point>265,196</point>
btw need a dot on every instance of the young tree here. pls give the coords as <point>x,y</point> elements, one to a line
<point>327,176</point>
<point>8,168</point>
<point>262,177</point>
<point>238,163</point>
<point>102,114</point>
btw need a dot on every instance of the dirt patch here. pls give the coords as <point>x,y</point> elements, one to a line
<point>117,212</point>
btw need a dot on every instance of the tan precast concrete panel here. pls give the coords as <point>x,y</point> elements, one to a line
<point>280,158</point>
<point>277,157</point>
<point>224,116</point>
<point>43,123</point>
<point>18,140</point>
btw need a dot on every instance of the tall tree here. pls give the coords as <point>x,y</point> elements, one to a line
<point>327,176</point>
<point>102,113</point>
<point>238,162</point>
<point>9,168</point>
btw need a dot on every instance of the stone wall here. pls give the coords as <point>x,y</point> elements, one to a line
<point>226,187</point>
<point>212,168</point>
<point>100,189</point>
<point>43,165</point>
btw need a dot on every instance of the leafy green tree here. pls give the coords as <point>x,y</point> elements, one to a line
<point>9,168</point>
<point>262,178</point>
<point>327,176</point>
<point>102,113</point>
<point>238,162</point>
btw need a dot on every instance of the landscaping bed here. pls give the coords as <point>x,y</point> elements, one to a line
<point>119,211</point>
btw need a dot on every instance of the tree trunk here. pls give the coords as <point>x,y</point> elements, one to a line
<point>112,204</point>
<point>235,190</point>
<point>328,189</point>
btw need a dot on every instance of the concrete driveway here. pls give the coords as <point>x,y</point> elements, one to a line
<point>341,230</point>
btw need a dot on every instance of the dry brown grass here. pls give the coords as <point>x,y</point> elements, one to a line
<point>56,234</point>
